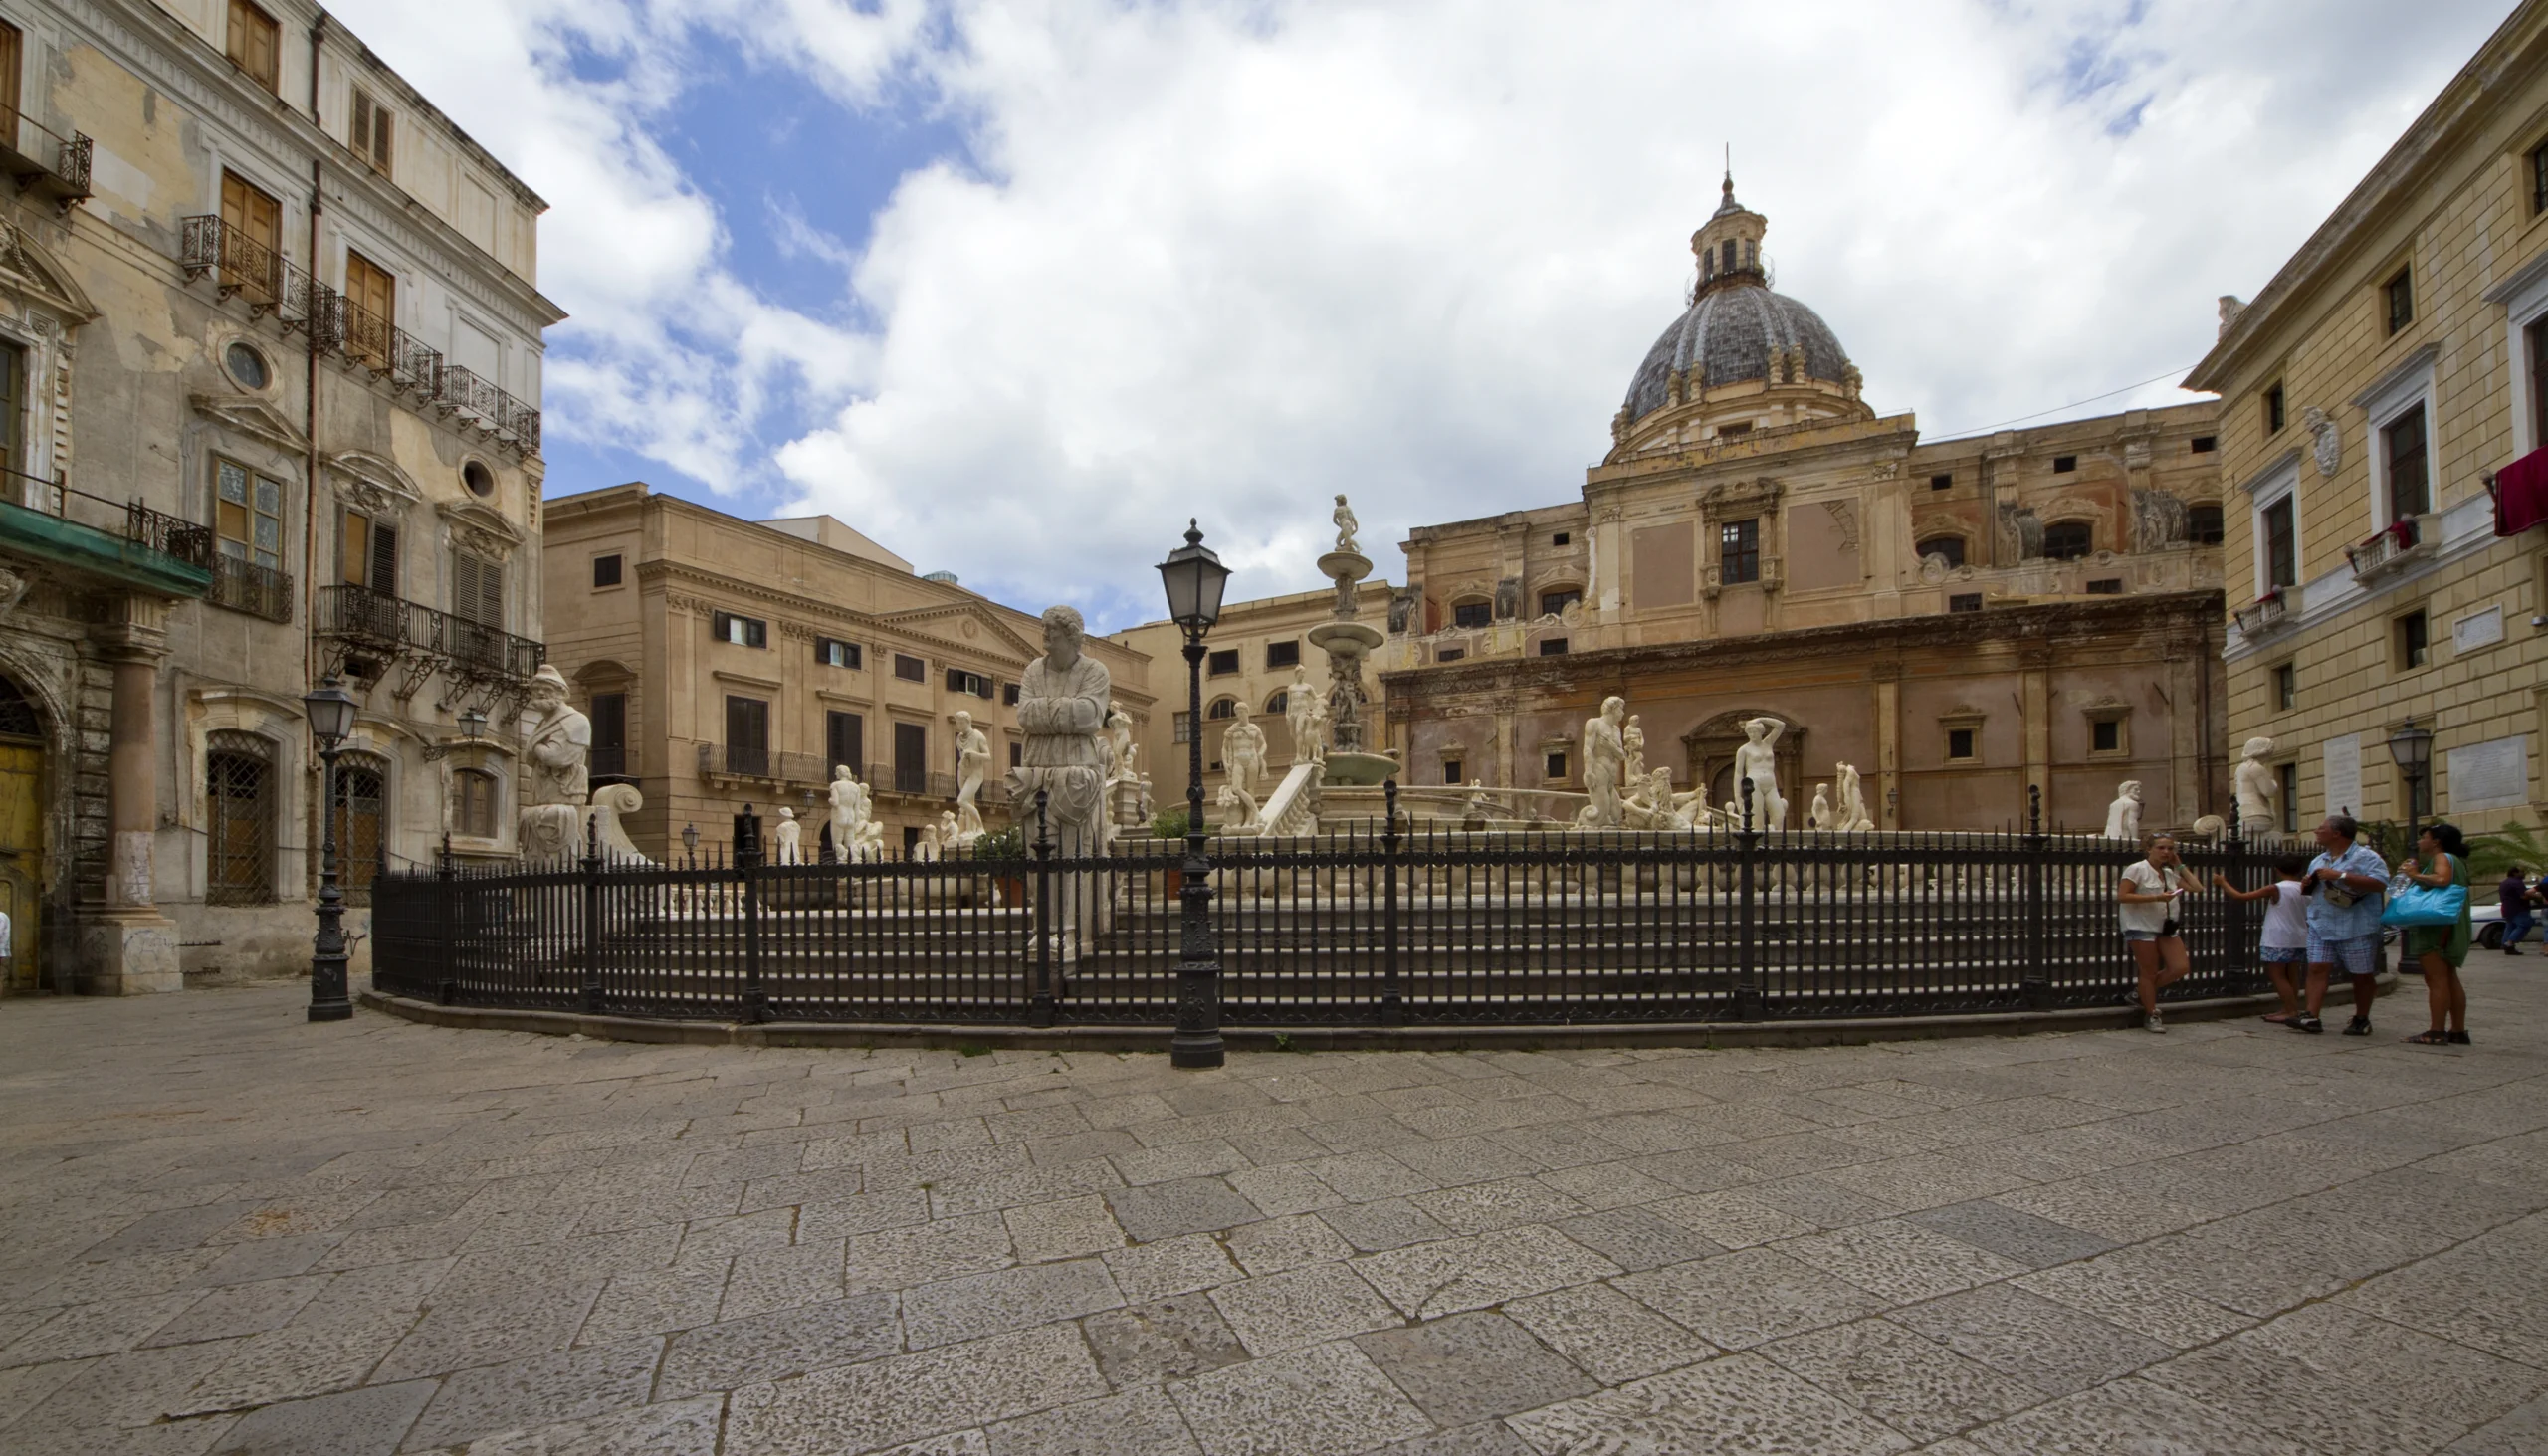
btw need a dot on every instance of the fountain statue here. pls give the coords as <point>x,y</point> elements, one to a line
<point>1758,761</point>
<point>2259,791</point>
<point>2123,816</point>
<point>1346,643</point>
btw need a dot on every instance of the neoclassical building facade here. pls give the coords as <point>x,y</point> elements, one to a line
<point>1962,620</point>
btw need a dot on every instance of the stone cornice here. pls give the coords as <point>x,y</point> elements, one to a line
<point>2021,627</point>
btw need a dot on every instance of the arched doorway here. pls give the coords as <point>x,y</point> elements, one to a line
<point>362,822</point>
<point>21,838</point>
<point>1708,752</point>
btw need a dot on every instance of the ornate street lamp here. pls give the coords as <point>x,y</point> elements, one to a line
<point>690,840</point>
<point>2411,748</point>
<point>473,722</point>
<point>1194,578</point>
<point>330,711</point>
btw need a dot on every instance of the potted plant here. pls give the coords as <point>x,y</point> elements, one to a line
<point>1003,853</point>
<point>1169,826</point>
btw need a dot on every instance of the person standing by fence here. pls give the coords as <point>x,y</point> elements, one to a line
<point>2348,883</point>
<point>2148,897</point>
<point>2441,861</point>
<point>2283,944</point>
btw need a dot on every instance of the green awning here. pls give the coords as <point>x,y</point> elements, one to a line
<point>107,556</point>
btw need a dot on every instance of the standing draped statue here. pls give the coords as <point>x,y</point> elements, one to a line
<point>554,786</point>
<point>1062,699</point>
<point>2123,816</point>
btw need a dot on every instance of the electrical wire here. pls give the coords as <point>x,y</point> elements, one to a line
<point>1965,433</point>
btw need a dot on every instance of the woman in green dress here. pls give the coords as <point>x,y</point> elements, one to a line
<point>2440,860</point>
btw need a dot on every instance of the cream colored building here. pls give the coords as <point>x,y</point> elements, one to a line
<point>1962,620</point>
<point>726,662</point>
<point>2369,393</point>
<point>1256,654</point>
<point>270,364</point>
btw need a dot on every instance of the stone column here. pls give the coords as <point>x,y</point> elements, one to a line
<point>129,947</point>
<point>1883,793</point>
<point>2038,663</point>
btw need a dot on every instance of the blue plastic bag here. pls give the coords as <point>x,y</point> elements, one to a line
<point>2410,904</point>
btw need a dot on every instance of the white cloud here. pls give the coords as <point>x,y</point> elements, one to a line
<point>1225,259</point>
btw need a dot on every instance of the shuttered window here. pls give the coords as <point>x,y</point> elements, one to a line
<point>370,553</point>
<point>844,743</point>
<point>254,45</point>
<point>13,50</point>
<point>250,239</point>
<point>747,736</point>
<point>373,293</point>
<point>370,131</point>
<point>477,589</point>
<point>610,732</point>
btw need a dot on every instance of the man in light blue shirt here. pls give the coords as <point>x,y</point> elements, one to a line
<point>2347,885</point>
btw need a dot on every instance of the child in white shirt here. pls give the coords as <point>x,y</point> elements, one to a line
<point>2283,944</point>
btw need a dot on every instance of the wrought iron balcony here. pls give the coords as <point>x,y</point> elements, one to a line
<point>494,412</point>
<point>243,268</point>
<point>128,543</point>
<point>45,163</point>
<point>423,639</point>
<point>244,586</point>
<point>389,352</point>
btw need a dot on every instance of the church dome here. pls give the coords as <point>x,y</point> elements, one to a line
<point>1736,330</point>
<point>1733,332</point>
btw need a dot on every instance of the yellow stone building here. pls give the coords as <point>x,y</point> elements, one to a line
<point>270,378</point>
<point>2370,393</point>
<point>726,662</point>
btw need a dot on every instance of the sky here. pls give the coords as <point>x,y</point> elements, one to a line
<point>1018,287</point>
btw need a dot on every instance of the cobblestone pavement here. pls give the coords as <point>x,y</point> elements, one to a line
<point>231,1231</point>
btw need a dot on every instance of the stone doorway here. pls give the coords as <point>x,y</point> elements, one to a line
<point>22,782</point>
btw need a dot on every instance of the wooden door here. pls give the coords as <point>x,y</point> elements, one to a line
<point>374,296</point>
<point>251,238</point>
<point>21,860</point>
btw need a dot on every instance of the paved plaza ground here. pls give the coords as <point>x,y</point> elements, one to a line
<point>231,1231</point>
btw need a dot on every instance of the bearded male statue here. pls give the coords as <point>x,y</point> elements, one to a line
<point>1062,700</point>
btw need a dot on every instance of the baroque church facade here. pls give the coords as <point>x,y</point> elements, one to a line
<point>1964,621</point>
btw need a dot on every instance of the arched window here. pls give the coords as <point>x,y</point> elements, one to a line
<point>472,804</point>
<point>1280,703</point>
<point>18,716</point>
<point>1949,546</point>
<point>1223,708</point>
<point>360,807</point>
<point>239,809</point>
<point>2068,541</point>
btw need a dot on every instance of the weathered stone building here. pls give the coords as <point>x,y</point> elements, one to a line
<point>1960,620</point>
<point>726,662</point>
<point>2369,394</point>
<point>270,358</point>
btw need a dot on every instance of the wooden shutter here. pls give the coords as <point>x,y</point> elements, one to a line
<point>254,44</point>
<point>747,724</point>
<point>368,133</point>
<point>359,132</point>
<point>844,743</point>
<point>374,296</point>
<point>384,558</point>
<point>477,590</point>
<point>13,52</point>
<point>356,554</point>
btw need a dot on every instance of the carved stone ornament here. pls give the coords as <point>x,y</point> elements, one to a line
<point>371,498</point>
<point>14,586</point>
<point>1844,516</point>
<point>478,542</point>
<point>2327,443</point>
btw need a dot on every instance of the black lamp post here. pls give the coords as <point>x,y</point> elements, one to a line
<point>1194,578</point>
<point>2411,748</point>
<point>332,716</point>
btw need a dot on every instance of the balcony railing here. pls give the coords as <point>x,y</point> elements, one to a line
<point>2267,614</point>
<point>244,267</point>
<point>470,394</point>
<point>389,352</point>
<point>244,586</point>
<point>395,627</point>
<point>2391,548</point>
<point>126,540</point>
<point>44,162</point>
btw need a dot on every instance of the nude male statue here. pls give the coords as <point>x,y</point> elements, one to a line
<point>1606,759</point>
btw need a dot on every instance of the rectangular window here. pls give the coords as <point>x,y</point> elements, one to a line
<point>13,412</point>
<point>248,515</point>
<point>2415,641</point>
<point>2278,526</point>
<point>2105,735</point>
<point>1450,654</point>
<point>2062,465</point>
<point>1551,646</point>
<point>911,758</point>
<point>606,570</point>
<point>2106,586</point>
<point>1965,601</point>
<point>368,551</point>
<point>1017,755</point>
<point>1959,743</point>
<point>910,669</point>
<point>832,652</point>
<point>1563,538</point>
<point>2287,777</point>
<point>1221,663</point>
<point>369,134</point>
<point>2273,409</point>
<point>2286,688</point>
<point>254,45</point>
<point>473,794</point>
<point>1554,602</point>
<point>1451,771</point>
<point>478,589</point>
<point>1008,694</point>
<point>844,743</point>
<point>250,239</point>
<point>610,732</point>
<point>2401,442</point>
<point>1472,614</point>
<point>1739,551</point>
<point>2202,526</point>
<point>1734,428</point>
<point>1283,654</point>
<point>1942,481</point>
<point>2397,294</point>
<point>13,54</point>
<point>371,299</point>
<point>748,737</point>
<point>2204,444</point>
<point>2538,160</point>
<point>2537,336</point>
<point>971,684</point>
<point>739,631</point>
<point>1557,765</point>
<point>1185,728</point>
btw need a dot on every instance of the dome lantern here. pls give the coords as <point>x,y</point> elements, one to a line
<point>1728,246</point>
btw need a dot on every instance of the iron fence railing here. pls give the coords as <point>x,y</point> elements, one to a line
<point>396,626</point>
<point>241,267</point>
<point>41,158</point>
<point>389,352</point>
<point>244,586</point>
<point>466,392</point>
<point>1370,928</point>
<point>171,535</point>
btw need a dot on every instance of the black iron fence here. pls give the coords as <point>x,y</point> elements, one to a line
<point>1363,929</point>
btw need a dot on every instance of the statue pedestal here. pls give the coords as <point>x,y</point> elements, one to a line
<point>129,953</point>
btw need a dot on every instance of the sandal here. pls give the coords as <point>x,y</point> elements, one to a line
<point>2280,1018</point>
<point>2430,1039</point>
<point>2458,1038</point>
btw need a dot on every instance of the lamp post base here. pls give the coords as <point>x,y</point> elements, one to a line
<point>1195,1052</point>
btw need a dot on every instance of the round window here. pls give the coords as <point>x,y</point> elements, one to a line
<point>246,365</point>
<point>480,480</point>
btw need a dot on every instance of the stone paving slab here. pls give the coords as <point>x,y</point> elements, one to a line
<point>233,1231</point>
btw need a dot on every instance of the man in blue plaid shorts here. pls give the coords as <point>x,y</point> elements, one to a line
<point>2347,885</point>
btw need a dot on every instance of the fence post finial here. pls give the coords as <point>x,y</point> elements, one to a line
<point>2034,808</point>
